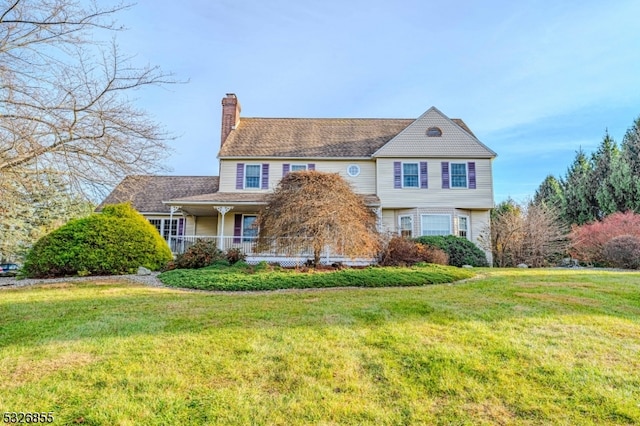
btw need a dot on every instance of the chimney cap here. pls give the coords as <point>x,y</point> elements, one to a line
<point>231,95</point>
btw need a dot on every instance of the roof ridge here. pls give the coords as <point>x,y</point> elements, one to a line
<point>323,118</point>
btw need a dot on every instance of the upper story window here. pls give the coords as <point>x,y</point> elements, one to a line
<point>410,175</point>
<point>353,170</point>
<point>434,132</point>
<point>458,175</point>
<point>252,176</point>
<point>298,167</point>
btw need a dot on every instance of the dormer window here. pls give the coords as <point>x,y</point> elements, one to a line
<point>434,132</point>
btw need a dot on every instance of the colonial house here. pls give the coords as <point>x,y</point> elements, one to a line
<point>424,176</point>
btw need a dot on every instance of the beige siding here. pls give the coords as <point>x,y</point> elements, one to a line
<point>480,222</point>
<point>435,196</point>
<point>389,221</point>
<point>206,226</point>
<point>190,226</point>
<point>364,183</point>
<point>454,141</point>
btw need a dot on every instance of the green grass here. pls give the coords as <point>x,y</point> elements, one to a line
<point>514,347</point>
<point>242,277</point>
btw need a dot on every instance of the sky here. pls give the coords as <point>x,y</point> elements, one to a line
<point>534,80</point>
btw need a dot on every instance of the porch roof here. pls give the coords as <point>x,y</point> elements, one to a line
<point>232,198</point>
<point>147,192</point>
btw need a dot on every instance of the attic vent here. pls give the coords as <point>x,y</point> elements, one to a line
<point>434,132</point>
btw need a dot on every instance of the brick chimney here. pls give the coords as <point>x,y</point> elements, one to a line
<point>230,115</point>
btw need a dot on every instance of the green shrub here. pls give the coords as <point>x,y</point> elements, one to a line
<point>202,253</point>
<point>460,250</point>
<point>623,252</point>
<point>116,241</point>
<point>241,277</point>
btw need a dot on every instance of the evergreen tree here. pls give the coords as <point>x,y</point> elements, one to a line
<point>579,202</point>
<point>28,213</point>
<point>549,192</point>
<point>602,161</point>
<point>631,147</point>
<point>621,190</point>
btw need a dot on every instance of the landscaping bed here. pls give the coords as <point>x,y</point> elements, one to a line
<point>243,277</point>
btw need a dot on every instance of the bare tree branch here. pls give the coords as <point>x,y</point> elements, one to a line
<point>64,105</point>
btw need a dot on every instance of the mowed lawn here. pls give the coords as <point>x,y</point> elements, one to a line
<point>512,347</point>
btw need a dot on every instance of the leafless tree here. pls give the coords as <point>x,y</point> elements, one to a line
<point>321,207</point>
<point>528,233</point>
<point>65,108</point>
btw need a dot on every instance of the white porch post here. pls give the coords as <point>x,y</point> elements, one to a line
<point>172,210</point>
<point>378,212</point>
<point>222,210</point>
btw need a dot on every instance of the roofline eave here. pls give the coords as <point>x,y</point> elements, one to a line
<point>318,158</point>
<point>206,203</point>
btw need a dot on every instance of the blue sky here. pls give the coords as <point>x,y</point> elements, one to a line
<point>534,80</point>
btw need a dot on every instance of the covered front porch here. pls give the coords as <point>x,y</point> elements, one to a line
<point>228,219</point>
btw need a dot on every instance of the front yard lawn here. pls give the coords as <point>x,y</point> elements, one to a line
<point>531,347</point>
<point>242,277</point>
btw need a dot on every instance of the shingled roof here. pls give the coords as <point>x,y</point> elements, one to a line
<point>313,137</point>
<point>146,192</point>
<point>310,137</point>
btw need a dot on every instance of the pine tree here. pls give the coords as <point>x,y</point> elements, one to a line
<point>549,192</point>
<point>602,161</point>
<point>631,147</point>
<point>579,203</point>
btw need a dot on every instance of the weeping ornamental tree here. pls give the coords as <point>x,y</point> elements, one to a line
<point>321,207</point>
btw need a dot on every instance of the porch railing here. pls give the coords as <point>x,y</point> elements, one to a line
<point>283,248</point>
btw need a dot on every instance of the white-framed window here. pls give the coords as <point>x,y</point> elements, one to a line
<point>353,170</point>
<point>168,227</point>
<point>249,228</point>
<point>435,224</point>
<point>410,175</point>
<point>298,167</point>
<point>458,175</point>
<point>252,175</point>
<point>463,226</point>
<point>405,224</point>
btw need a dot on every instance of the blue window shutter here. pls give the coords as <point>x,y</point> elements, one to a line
<point>265,176</point>
<point>311,166</point>
<point>397,174</point>
<point>424,177</point>
<point>237,228</point>
<point>472,175</point>
<point>285,169</point>
<point>240,176</point>
<point>445,175</point>
<point>181,226</point>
